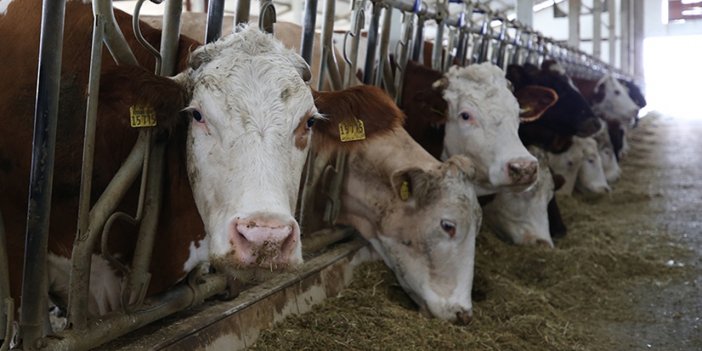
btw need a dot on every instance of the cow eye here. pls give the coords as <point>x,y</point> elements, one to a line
<point>197,115</point>
<point>310,122</point>
<point>591,160</point>
<point>570,163</point>
<point>464,115</point>
<point>617,92</point>
<point>449,227</point>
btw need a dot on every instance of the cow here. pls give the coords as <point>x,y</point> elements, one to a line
<point>236,123</point>
<point>485,135</point>
<point>471,111</point>
<point>570,115</point>
<point>518,217</point>
<point>581,167</point>
<point>419,214</point>
<point>608,154</point>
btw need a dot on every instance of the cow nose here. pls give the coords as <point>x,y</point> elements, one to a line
<point>523,171</point>
<point>264,241</point>
<point>464,317</point>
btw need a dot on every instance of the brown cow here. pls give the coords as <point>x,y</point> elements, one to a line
<point>236,124</point>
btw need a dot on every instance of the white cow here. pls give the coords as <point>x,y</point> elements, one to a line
<point>610,165</point>
<point>521,217</point>
<point>581,167</point>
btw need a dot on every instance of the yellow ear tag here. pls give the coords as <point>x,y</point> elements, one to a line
<point>404,191</point>
<point>142,116</point>
<point>352,130</point>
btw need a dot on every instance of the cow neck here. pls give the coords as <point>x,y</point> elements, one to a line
<point>367,188</point>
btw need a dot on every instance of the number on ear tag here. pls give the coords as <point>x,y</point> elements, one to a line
<point>352,130</point>
<point>404,191</point>
<point>142,116</point>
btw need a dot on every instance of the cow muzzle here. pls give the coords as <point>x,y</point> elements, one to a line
<point>523,171</point>
<point>265,240</point>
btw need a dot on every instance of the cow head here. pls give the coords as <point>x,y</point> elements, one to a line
<point>567,164</point>
<point>591,177</point>
<point>426,235</point>
<point>523,218</point>
<point>611,101</point>
<point>571,114</point>
<point>482,123</point>
<point>610,166</point>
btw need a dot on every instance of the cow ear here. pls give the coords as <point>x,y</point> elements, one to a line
<point>533,101</point>
<point>459,164</point>
<point>560,143</point>
<point>441,84</point>
<point>412,183</point>
<point>558,181</point>
<point>126,86</point>
<point>353,115</point>
<point>517,76</point>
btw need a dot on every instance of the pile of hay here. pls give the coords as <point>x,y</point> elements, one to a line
<point>525,298</point>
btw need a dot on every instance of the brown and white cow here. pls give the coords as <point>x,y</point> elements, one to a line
<point>236,124</point>
<point>419,214</point>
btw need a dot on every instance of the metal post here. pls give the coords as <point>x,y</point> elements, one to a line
<point>34,280</point>
<point>418,39</point>
<point>612,31</point>
<point>215,16</point>
<point>327,44</point>
<point>169,36</point>
<point>243,7</point>
<point>638,38</point>
<point>574,23</point>
<point>625,35</point>
<point>308,27</point>
<point>525,12</point>
<point>267,16</point>
<point>597,28</point>
<point>372,44</point>
<point>383,59</point>
<point>403,55</point>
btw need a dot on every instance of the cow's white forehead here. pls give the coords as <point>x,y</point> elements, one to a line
<point>484,88</point>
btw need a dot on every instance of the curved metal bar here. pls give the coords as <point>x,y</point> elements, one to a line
<point>267,16</point>
<point>327,43</point>
<point>243,8</point>
<point>33,314</point>
<point>140,37</point>
<point>105,239</point>
<point>418,38</point>
<point>355,34</point>
<point>169,37</point>
<point>114,39</point>
<point>380,71</point>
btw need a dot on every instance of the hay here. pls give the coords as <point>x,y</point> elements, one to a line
<point>525,298</point>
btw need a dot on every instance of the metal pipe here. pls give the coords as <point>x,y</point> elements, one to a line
<point>266,16</point>
<point>34,279</point>
<point>612,31</point>
<point>308,26</point>
<point>215,17</point>
<point>383,57</point>
<point>110,327</point>
<point>140,38</point>
<point>327,43</point>
<point>5,314</point>
<point>243,8</point>
<point>418,39</point>
<point>357,19</point>
<point>368,67</point>
<point>169,37</point>
<point>403,56</point>
<point>114,39</point>
<point>574,23</point>
<point>597,28</point>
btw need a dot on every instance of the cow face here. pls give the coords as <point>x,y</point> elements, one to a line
<point>610,166</point>
<point>567,164</point>
<point>426,235</point>
<point>483,120</point>
<point>523,217</point>
<point>251,113</point>
<point>591,177</point>
<point>612,101</point>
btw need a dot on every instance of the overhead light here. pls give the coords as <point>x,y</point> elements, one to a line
<point>546,4</point>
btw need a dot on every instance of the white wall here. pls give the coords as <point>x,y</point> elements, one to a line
<point>655,28</point>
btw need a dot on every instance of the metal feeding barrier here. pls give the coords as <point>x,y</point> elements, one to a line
<point>474,34</point>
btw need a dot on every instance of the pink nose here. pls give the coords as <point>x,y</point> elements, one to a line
<point>522,172</point>
<point>264,241</point>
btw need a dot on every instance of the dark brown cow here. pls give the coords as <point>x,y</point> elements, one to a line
<point>193,192</point>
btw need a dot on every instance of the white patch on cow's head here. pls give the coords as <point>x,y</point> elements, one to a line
<point>591,177</point>
<point>482,124</point>
<point>616,104</point>
<point>522,217</point>
<point>197,253</point>
<point>246,147</point>
<point>610,165</point>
